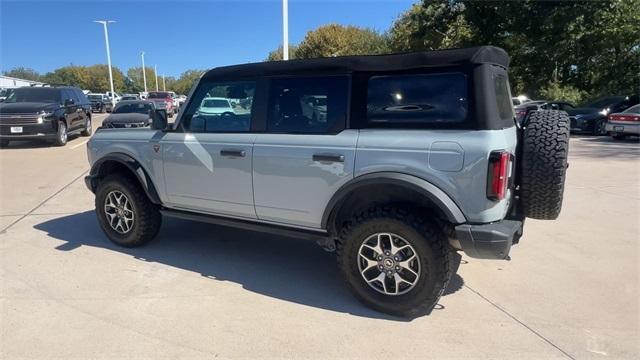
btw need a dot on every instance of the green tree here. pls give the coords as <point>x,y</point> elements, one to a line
<point>137,81</point>
<point>277,53</point>
<point>337,40</point>
<point>431,25</point>
<point>186,81</point>
<point>23,73</point>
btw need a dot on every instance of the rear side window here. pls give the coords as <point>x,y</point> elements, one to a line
<point>314,105</point>
<point>417,99</point>
<point>503,97</point>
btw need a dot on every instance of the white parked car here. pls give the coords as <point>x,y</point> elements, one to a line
<point>216,106</point>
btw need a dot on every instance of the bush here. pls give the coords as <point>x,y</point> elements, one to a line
<point>556,91</point>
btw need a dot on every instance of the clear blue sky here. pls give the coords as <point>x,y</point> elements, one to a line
<point>175,35</point>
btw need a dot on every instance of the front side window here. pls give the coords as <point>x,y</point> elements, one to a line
<point>308,105</point>
<point>417,99</point>
<point>220,107</point>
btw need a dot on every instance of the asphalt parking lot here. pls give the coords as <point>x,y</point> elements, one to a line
<point>572,288</point>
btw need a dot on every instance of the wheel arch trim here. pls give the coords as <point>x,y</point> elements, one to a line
<point>410,182</point>
<point>134,166</point>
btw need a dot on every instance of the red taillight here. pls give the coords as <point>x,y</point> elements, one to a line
<point>624,118</point>
<point>498,175</point>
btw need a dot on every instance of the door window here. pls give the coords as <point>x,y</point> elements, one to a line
<point>220,107</point>
<point>315,105</point>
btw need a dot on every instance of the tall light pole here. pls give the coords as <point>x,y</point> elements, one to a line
<point>285,30</point>
<point>164,86</point>
<point>106,40</point>
<point>144,74</point>
<point>155,70</point>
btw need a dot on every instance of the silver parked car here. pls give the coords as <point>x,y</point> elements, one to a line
<point>622,124</point>
<point>395,162</point>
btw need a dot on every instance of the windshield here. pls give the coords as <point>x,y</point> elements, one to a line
<point>215,103</point>
<point>140,108</point>
<point>158,95</point>
<point>46,95</point>
<point>604,102</point>
<point>634,109</point>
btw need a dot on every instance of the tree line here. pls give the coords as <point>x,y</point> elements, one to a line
<point>561,50</point>
<point>96,78</point>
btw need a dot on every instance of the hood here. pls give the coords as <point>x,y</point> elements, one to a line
<point>127,118</point>
<point>584,111</point>
<point>27,107</point>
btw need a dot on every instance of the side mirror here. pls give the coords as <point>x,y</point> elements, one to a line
<point>159,119</point>
<point>69,102</point>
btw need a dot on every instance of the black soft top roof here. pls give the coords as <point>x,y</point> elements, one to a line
<point>345,64</point>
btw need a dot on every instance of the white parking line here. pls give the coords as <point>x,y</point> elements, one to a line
<point>78,145</point>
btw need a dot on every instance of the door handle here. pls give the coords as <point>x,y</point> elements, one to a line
<point>233,153</point>
<point>328,157</point>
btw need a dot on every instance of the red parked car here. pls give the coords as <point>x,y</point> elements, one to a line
<point>162,100</point>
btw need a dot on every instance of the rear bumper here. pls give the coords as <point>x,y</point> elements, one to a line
<point>489,241</point>
<point>626,128</point>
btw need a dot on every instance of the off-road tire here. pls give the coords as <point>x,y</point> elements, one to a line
<point>147,215</point>
<point>62,134</point>
<point>432,248</point>
<point>87,128</point>
<point>544,164</point>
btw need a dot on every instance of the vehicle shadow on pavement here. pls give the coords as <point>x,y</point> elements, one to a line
<point>285,268</point>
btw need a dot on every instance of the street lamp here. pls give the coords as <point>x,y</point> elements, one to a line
<point>285,30</point>
<point>144,74</point>
<point>155,70</point>
<point>106,40</point>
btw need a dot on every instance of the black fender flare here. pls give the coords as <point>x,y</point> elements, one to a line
<point>133,165</point>
<point>438,197</point>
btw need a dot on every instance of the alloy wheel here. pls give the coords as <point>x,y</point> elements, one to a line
<point>389,264</point>
<point>119,212</point>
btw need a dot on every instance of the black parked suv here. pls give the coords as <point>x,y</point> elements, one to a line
<point>52,113</point>
<point>592,117</point>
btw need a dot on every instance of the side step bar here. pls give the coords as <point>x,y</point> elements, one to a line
<point>321,236</point>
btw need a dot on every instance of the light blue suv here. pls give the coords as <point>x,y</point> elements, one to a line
<point>416,157</point>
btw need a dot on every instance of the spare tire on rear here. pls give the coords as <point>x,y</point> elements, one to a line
<point>544,163</point>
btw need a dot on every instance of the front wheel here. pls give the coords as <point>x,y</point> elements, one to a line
<point>126,215</point>
<point>619,137</point>
<point>394,261</point>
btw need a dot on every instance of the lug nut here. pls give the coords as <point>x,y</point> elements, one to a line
<point>387,253</point>
<point>396,258</point>
<point>380,258</point>
<point>397,267</point>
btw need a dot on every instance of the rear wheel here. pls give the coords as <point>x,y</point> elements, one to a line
<point>87,127</point>
<point>544,164</point>
<point>395,262</point>
<point>62,135</point>
<point>599,127</point>
<point>126,215</point>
